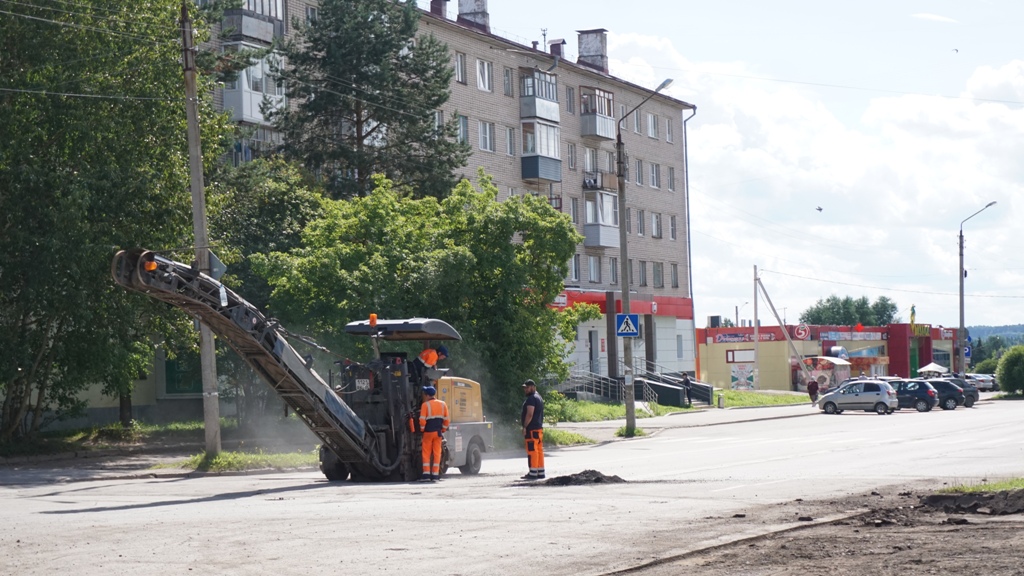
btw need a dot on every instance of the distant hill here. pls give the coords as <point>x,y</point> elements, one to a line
<point>1014,332</point>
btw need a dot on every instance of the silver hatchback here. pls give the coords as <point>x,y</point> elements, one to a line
<point>867,395</point>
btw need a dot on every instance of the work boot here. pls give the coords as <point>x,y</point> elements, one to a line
<point>530,477</point>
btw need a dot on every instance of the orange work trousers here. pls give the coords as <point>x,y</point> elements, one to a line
<point>535,451</point>
<point>431,454</point>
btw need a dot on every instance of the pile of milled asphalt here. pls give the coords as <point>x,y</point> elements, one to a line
<point>992,503</point>
<point>584,478</point>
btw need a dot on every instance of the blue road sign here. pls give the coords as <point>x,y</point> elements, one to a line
<point>967,351</point>
<point>627,325</point>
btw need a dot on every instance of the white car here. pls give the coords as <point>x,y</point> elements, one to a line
<point>985,382</point>
<point>868,395</point>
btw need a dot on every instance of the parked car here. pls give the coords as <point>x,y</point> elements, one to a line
<point>950,395</point>
<point>916,394</point>
<point>868,395</point>
<point>986,382</point>
<point>971,394</point>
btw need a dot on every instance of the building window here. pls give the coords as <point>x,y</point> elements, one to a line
<point>589,159</point>
<point>640,222</point>
<point>509,82</point>
<point>674,272</point>
<point>629,223</point>
<point>602,208</point>
<point>659,275</point>
<point>438,121</point>
<point>510,141</point>
<point>679,346</point>
<point>613,266</point>
<point>597,101</point>
<point>572,156</point>
<point>629,268</point>
<point>642,272</point>
<point>656,225</point>
<point>594,268</point>
<point>574,210</point>
<point>463,136</point>
<point>460,67</point>
<point>270,8</point>
<point>485,75</point>
<point>672,227</point>
<point>652,125</point>
<point>539,84</point>
<point>668,129</point>
<point>609,158</point>
<point>574,274</point>
<point>570,99</point>
<point>636,121</point>
<point>312,13</point>
<point>671,179</point>
<point>640,172</point>
<point>486,136</point>
<point>655,175</point>
<point>622,111</point>
<point>541,140</point>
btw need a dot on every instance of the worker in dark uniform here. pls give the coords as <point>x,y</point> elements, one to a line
<point>433,422</point>
<point>533,430</point>
<point>427,359</point>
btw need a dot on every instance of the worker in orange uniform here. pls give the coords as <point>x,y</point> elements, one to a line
<point>428,359</point>
<point>533,430</point>
<point>433,422</point>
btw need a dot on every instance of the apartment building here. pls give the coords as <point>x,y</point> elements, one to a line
<point>542,124</point>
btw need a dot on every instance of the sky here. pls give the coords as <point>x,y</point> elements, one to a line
<point>898,118</point>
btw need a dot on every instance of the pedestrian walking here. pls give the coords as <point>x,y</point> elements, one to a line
<point>533,430</point>
<point>434,423</point>
<point>812,391</point>
<point>687,389</point>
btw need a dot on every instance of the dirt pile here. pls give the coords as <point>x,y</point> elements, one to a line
<point>991,503</point>
<point>583,478</point>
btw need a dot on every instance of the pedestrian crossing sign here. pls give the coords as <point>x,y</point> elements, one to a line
<point>627,325</point>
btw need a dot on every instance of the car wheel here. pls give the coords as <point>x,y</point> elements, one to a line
<point>473,460</point>
<point>881,409</point>
<point>949,404</point>
<point>830,408</point>
<point>921,406</point>
<point>969,401</point>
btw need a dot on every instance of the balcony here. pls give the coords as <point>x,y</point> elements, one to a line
<point>599,180</point>
<point>246,25</point>
<point>538,95</point>
<point>596,109</point>
<point>541,169</point>
<point>597,126</point>
<point>600,236</point>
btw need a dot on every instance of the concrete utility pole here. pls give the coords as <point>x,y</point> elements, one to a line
<point>207,353</point>
<point>757,337</point>
<point>961,334</point>
<point>627,342</point>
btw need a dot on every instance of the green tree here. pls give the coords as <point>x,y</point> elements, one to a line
<point>364,91</point>
<point>93,157</point>
<point>490,268</point>
<point>986,366</point>
<point>846,311</point>
<point>1010,373</point>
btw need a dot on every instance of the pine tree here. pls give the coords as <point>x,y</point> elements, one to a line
<point>365,90</point>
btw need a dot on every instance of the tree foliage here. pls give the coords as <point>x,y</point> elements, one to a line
<point>489,268</point>
<point>93,157</point>
<point>1010,373</point>
<point>846,311</point>
<point>365,91</point>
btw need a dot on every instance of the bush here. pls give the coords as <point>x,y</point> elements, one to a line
<point>987,366</point>
<point>1010,373</point>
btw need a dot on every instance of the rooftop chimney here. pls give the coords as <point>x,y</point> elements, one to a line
<point>437,7</point>
<point>474,13</point>
<point>555,47</point>
<point>594,49</point>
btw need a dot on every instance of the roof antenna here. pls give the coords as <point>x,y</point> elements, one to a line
<point>544,34</point>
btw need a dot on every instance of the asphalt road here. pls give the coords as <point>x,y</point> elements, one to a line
<point>684,484</point>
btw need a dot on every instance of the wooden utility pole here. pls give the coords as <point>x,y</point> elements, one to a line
<point>207,352</point>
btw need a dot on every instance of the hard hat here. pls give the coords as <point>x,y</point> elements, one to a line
<point>430,390</point>
<point>443,351</point>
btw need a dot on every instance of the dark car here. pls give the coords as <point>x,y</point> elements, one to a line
<point>950,395</point>
<point>971,393</point>
<point>916,394</point>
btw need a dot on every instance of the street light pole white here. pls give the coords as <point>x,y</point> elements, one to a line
<point>738,308</point>
<point>624,267</point>
<point>960,335</point>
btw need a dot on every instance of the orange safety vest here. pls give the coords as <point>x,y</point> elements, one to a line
<point>434,416</point>
<point>429,357</point>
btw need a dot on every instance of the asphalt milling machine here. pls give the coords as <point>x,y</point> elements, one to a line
<point>366,424</point>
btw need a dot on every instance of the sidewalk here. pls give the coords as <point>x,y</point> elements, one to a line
<point>708,416</point>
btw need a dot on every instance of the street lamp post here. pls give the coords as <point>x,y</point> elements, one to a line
<point>738,308</point>
<point>624,267</point>
<point>960,336</point>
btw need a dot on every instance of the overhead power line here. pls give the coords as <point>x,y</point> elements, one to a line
<point>888,289</point>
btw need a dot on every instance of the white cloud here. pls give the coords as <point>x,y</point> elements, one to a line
<point>935,18</point>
